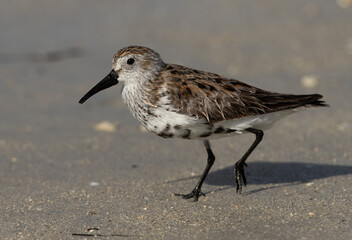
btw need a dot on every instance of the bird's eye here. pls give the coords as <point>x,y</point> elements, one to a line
<point>130,61</point>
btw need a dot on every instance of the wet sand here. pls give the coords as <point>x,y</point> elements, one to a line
<point>64,176</point>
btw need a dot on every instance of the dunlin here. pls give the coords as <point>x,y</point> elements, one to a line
<point>174,101</point>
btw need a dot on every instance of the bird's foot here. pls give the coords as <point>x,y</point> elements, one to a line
<point>195,194</point>
<point>240,176</point>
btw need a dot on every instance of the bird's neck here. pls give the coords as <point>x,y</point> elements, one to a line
<point>139,93</point>
<point>135,97</point>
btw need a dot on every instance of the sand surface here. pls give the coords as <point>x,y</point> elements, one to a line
<point>71,171</point>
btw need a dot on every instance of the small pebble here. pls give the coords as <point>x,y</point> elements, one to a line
<point>343,126</point>
<point>309,184</point>
<point>2,143</point>
<point>344,3</point>
<point>92,229</point>
<point>105,126</point>
<point>309,81</point>
<point>142,128</point>
<point>94,184</point>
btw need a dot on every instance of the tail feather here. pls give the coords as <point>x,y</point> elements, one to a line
<point>287,101</point>
<point>314,100</point>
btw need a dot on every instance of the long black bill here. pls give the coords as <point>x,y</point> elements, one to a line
<point>109,81</point>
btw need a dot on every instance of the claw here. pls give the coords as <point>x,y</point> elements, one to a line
<point>195,194</point>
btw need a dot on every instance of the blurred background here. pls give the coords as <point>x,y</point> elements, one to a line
<point>62,162</point>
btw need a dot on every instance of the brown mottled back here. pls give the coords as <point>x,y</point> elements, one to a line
<point>215,98</point>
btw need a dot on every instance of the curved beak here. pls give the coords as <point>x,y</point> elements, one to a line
<point>109,81</point>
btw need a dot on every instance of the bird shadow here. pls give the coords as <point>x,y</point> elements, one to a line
<point>273,175</point>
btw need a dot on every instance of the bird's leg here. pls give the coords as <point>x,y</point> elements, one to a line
<point>196,192</point>
<point>239,167</point>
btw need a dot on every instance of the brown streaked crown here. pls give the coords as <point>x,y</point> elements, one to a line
<point>136,50</point>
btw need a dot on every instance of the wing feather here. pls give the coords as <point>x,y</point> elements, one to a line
<point>216,98</point>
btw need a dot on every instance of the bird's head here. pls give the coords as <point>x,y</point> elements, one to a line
<point>131,65</point>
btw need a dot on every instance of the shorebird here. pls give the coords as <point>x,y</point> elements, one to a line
<point>175,101</point>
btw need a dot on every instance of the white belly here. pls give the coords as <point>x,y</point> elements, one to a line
<point>171,124</point>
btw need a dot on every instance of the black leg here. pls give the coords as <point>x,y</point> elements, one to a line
<point>239,167</point>
<point>196,192</point>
